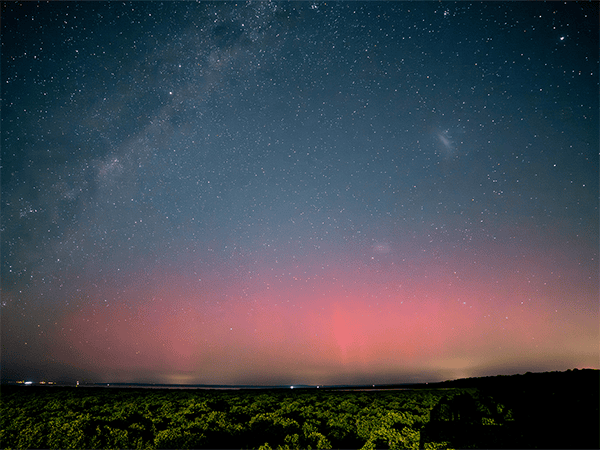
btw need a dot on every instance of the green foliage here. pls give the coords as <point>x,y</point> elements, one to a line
<point>437,445</point>
<point>175,438</point>
<point>390,430</point>
<point>156,419</point>
<point>265,446</point>
<point>64,433</point>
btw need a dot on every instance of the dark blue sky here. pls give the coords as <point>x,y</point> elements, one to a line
<point>298,192</point>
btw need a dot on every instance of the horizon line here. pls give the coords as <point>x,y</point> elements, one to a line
<point>262,386</point>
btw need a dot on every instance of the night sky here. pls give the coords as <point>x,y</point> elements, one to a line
<point>280,193</point>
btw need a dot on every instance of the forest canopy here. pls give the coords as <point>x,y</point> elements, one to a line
<point>497,412</point>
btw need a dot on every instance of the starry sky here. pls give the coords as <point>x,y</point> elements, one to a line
<point>279,193</point>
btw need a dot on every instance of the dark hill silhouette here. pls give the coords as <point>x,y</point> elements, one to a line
<point>547,410</point>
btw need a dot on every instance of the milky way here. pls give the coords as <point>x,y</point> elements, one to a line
<point>304,192</point>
